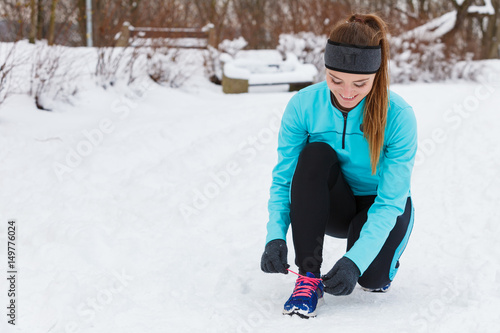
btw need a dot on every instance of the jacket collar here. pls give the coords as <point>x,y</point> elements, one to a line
<point>357,111</point>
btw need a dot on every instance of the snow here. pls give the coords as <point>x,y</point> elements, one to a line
<point>304,73</point>
<point>170,42</point>
<point>419,55</point>
<point>147,213</point>
<point>308,47</point>
<point>262,56</point>
<point>232,47</point>
<point>433,29</point>
<point>486,9</point>
<point>261,67</point>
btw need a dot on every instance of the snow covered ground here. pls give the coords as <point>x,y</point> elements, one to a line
<point>147,214</point>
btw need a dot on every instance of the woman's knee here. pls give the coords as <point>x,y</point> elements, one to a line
<point>316,156</point>
<point>317,149</point>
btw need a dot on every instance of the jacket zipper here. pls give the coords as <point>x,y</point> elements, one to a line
<point>344,114</point>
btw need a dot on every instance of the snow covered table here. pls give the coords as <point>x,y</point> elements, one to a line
<point>265,68</point>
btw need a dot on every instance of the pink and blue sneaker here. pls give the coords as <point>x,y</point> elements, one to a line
<point>308,292</point>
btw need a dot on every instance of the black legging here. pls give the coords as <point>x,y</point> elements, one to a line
<point>323,203</point>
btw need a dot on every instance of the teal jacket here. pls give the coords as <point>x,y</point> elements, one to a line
<point>311,117</point>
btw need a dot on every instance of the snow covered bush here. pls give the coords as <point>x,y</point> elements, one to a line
<point>111,65</point>
<point>426,61</point>
<point>170,67</point>
<point>164,65</point>
<point>214,58</point>
<point>53,75</point>
<point>167,66</point>
<point>46,73</point>
<point>418,61</point>
<point>7,63</point>
<point>420,54</point>
<point>212,63</point>
<point>308,47</point>
<point>468,69</point>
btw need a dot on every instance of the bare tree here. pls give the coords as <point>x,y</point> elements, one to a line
<point>33,17</point>
<point>215,12</point>
<point>461,7</point>
<point>492,42</point>
<point>65,29</point>
<point>488,23</point>
<point>475,32</point>
<point>251,15</point>
<point>260,22</point>
<point>52,22</point>
<point>134,7</point>
<point>9,12</point>
<point>40,15</point>
<point>82,19</point>
<point>165,13</point>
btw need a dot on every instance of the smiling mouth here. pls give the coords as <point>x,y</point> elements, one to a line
<point>348,98</point>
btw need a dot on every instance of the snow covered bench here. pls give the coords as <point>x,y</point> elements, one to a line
<point>265,68</point>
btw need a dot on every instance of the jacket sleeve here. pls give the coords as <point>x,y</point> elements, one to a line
<point>393,189</point>
<point>292,138</point>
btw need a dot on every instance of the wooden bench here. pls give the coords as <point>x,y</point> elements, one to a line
<point>199,38</point>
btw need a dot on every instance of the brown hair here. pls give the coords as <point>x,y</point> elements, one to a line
<point>370,30</point>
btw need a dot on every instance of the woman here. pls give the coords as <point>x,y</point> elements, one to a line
<point>346,150</point>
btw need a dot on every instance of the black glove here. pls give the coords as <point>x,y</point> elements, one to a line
<point>274,258</point>
<point>342,278</point>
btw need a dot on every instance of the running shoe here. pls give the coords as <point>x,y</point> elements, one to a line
<point>304,300</point>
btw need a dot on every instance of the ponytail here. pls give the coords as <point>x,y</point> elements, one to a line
<point>370,30</point>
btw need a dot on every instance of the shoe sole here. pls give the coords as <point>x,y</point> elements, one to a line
<point>382,291</point>
<point>301,313</point>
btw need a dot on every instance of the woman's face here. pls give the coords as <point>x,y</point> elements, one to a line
<point>349,89</point>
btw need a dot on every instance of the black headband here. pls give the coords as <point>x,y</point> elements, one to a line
<point>353,59</point>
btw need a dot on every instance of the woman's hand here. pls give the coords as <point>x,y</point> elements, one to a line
<point>274,259</point>
<point>342,278</point>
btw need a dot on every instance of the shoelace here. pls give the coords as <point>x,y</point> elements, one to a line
<point>305,285</point>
